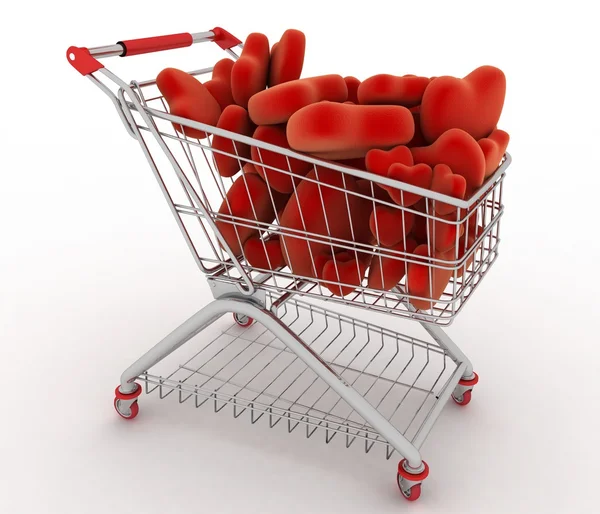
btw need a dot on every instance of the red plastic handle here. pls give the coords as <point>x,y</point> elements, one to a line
<point>155,44</point>
<point>85,61</point>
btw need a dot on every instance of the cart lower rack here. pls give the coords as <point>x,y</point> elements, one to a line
<point>291,357</point>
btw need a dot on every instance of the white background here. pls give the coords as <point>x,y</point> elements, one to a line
<point>94,271</point>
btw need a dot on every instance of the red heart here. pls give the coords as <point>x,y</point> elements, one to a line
<point>348,269</point>
<point>188,97</point>
<point>390,225</point>
<point>473,103</point>
<point>379,161</point>
<point>287,57</point>
<point>493,148</point>
<point>278,103</point>
<point>386,272</point>
<point>428,280</point>
<point>458,150</point>
<point>391,90</point>
<point>418,175</point>
<point>435,230</point>
<point>447,183</point>
<point>220,84</point>
<point>287,171</point>
<point>341,131</point>
<point>249,74</point>
<point>264,254</point>
<point>235,119</point>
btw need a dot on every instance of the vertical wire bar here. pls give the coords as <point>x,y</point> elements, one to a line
<point>329,236</point>
<point>267,232</point>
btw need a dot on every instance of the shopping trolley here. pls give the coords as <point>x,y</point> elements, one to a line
<point>292,353</point>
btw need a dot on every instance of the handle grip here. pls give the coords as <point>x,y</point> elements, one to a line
<point>155,44</point>
<point>85,60</point>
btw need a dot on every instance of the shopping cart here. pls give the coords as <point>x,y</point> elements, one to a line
<point>304,360</point>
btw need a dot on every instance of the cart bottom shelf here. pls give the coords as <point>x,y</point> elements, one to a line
<point>252,372</point>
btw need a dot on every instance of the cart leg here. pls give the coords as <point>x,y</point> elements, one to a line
<point>188,329</point>
<point>462,392</point>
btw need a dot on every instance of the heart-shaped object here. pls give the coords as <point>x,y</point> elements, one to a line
<point>473,103</point>
<point>287,57</point>
<point>188,97</point>
<point>250,72</point>
<point>326,207</point>
<point>249,168</point>
<point>342,131</point>
<point>390,225</point>
<point>248,198</point>
<point>418,175</point>
<point>264,254</point>
<point>219,85</point>
<point>426,279</point>
<point>457,149</point>
<point>379,161</point>
<point>346,268</point>
<point>419,230</point>
<point>493,148</point>
<point>443,232</point>
<point>287,170</point>
<point>235,119</point>
<point>392,90</point>
<point>434,230</point>
<point>278,103</point>
<point>465,245</point>
<point>388,269</point>
<point>447,183</point>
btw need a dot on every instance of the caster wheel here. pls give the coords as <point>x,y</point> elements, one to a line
<point>404,479</point>
<point>242,320</point>
<point>413,494</point>
<point>463,400</point>
<point>124,412</point>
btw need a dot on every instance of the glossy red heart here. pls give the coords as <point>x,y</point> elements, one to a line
<point>473,103</point>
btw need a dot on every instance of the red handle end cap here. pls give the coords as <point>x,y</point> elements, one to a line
<point>224,39</point>
<point>82,60</point>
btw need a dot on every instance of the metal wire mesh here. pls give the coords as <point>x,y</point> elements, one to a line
<point>254,373</point>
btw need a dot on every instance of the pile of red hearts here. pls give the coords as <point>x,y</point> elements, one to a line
<point>436,133</point>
